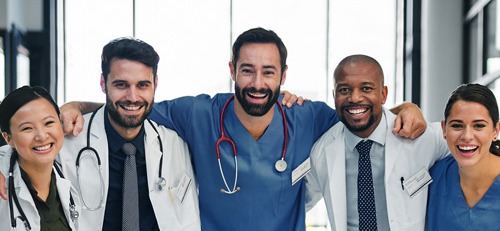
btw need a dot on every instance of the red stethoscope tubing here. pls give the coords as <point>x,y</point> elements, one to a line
<point>224,138</point>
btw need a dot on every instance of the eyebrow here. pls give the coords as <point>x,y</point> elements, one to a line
<point>29,122</point>
<point>251,65</point>
<point>474,121</point>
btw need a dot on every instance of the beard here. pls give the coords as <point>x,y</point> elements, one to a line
<point>128,121</point>
<point>256,109</point>
<point>357,127</point>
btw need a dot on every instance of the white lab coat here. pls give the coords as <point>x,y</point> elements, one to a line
<point>170,213</point>
<point>26,201</point>
<point>403,158</point>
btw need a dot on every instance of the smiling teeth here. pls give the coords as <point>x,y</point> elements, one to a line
<point>467,148</point>
<point>129,108</point>
<point>356,111</point>
<point>42,148</point>
<point>257,95</point>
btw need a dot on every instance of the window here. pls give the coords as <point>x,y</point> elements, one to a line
<point>194,42</point>
<point>194,39</point>
<point>2,67</point>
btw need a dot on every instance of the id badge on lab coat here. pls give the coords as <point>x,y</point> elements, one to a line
<point>417,182</point>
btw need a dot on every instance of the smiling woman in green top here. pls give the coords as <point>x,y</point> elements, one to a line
<point>39,198</point>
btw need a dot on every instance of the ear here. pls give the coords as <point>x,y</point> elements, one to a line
<point>103,84</point>
<point>443,128</point>
<point>7,138</point>
<point>283,75</point>
<point>156,82</point>
<point>232,71</point>
<point>497,131</point>
<point>384,94</point>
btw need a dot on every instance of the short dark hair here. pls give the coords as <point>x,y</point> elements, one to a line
<point>131,49</point>
<point>259,35</point>
<point>18,98</point>
<point>477,93</point>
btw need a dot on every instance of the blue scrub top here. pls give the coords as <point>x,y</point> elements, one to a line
<point>267,200</point>
<point>447,208</point>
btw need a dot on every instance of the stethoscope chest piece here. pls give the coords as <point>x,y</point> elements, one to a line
<point>161,183</point>
<point>73,213</point>
<point>280,165</point>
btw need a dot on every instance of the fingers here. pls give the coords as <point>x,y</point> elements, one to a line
<point>286,97</point>
<point>300,100</point>
<point>3,188</point>
<point>418,129</point>
<point>411,128</point>
<point>397,126</point>
<point>78,126</point>
<point>291,100</point>
<point>72,119</point>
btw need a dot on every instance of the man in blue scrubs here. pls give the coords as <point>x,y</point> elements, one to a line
<point>263,197</point>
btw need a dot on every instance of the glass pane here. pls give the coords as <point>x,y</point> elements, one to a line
<point>472,50</point>
<point>492,38</point>
<point>2,69</point>
<point>89,26</point>
<point>470,3</point>
<point>23,67</point>
<point>193,44</point>
<point>358,27</point>
<point>495,87</point>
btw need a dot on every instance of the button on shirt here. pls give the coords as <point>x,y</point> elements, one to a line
<point>112,216</point>
<point>377,156</point>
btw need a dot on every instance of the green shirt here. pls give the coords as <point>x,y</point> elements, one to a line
<point>52,217</point>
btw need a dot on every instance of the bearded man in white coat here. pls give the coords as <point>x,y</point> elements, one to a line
<point>165,186</point>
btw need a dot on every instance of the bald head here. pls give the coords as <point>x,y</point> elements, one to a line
<point>357,60</point>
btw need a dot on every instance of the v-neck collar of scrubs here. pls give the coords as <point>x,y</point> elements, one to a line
<point>483,204</point>
<point>232,125</point>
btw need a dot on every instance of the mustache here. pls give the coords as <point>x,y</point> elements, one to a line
<point>255,90</point>
<point>130,103</point>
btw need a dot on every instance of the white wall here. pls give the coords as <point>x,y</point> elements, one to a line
<point>442,54</point>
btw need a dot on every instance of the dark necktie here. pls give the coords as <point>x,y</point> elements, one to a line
<point>130,211</point>
<point>366,197</point>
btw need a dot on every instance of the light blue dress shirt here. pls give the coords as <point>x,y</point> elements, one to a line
<point>377,156</point>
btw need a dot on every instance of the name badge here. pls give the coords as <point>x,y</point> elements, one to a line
<point>183,187</point>
<point>417,182</point>
<point>301,171</point>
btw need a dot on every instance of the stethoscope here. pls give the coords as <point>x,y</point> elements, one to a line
<point>160,182</point>
<point>13,197</point>
<point>280,164</point>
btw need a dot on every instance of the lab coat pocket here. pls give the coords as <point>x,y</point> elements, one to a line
<point>176,207</point>
<point>415,207</point>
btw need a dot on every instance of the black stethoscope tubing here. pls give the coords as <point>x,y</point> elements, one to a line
<point>13,197</point>
<point>161,181</point>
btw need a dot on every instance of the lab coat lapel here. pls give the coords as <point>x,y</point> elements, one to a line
<point>153,154</point>
<point>392,146</point>
<point>335,159</point>
<point>99,141</point>
<point>26,201</point>
<point>63,189</point>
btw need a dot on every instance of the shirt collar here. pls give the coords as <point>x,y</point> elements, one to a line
<point>115,141</point>
<point>378,135</point>
<point>52,188</point>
